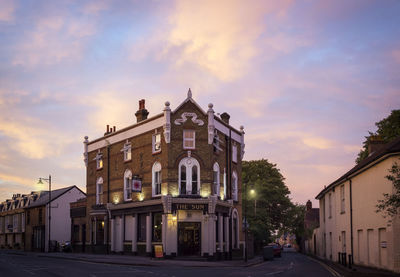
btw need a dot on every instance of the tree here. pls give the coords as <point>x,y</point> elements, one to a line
<point>390,203</point>
<point>269,208</point>
<point>388,130</point>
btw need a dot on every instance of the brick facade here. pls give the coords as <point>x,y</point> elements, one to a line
<point>121,221</point>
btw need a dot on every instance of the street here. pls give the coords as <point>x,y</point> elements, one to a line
<point>290,264</point>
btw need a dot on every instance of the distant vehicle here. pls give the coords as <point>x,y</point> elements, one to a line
<point>277,249</point>
<point>288,245</point>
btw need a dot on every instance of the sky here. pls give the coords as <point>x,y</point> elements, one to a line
<point>307,79</point>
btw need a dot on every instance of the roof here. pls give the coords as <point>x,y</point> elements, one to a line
<point>389,148</point>
<point>44,196</point>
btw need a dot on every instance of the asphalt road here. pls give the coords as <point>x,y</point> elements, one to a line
<point>290,264</point>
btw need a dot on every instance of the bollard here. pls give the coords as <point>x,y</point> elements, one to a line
<point>350,260</point>
<point>339,255</point>
<point>344,260</point>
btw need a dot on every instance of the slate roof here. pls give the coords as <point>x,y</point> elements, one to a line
<point>44,196</point>
<point>388,148</point>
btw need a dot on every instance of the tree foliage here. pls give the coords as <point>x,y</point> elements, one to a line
<point>390,203</point>
<point>388,130</point>
<point>269,208</point>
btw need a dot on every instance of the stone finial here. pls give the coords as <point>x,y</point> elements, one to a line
<point>242,129</point>
<point>189,94</point>
<point>210,105</point>
<point>167,104</point>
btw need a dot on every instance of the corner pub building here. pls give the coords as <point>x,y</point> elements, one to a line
<point>172,180</point>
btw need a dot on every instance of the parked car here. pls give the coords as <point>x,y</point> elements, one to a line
<point>277,249</point>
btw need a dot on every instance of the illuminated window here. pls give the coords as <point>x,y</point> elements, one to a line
<point>99,160</point>
<point>128,185</point>
<point>156,181</point>
<point>156,143</point>
<point>99,191</point>
<point>127,149</point>
<point>189,137</point>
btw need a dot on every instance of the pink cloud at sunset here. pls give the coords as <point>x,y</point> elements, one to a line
<point>307,79</point>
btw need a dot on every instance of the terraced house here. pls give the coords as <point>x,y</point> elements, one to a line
<point>171,182</point>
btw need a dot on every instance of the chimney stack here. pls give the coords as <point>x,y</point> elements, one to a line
<point>142,113</point>
<point>225,118</point>
<point>308,205</point>
<point>375,143</point>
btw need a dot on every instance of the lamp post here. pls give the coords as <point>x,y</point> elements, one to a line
<point>40,182</point>
<point>245,222</point>
<point>253,193</point>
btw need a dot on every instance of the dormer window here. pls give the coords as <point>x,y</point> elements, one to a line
<point>127,149</point>
<point>156,142</point>
<point>99,160</point>
<point>189,139</point>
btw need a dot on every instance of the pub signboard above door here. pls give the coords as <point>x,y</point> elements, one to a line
<point>190,207</point>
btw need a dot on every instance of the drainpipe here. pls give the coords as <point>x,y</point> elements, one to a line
<point>351,223</point>
<point>108,197</point>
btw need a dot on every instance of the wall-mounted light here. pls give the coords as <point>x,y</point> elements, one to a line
<point>141,197</point>
<point>116,199</point>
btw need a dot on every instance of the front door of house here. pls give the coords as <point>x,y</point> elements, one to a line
<point>189,238</point>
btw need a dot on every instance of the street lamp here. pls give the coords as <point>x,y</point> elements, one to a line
<point>40,182</point>
<point>253,194</point>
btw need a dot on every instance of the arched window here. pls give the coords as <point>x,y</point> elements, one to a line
<point>156,179</point>
<point>99,191</point>
<point>127,185</point>
<point>216,177</point>
<point>235,229</point>
<point>234,186</point>
<point>189,176</point>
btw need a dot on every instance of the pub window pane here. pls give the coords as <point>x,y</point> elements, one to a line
<point>183,179</point>
<point>157,224</point>
<point>142,227</point>
<point>194,179</point>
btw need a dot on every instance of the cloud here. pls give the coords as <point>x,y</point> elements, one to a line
<point>54,38</point>
<point>7,10</point>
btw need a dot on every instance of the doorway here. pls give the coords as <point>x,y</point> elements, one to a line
<point>189,238</point>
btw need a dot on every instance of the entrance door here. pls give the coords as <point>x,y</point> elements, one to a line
<point>189,238</point>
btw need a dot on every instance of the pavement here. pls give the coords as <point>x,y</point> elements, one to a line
<point>119,259</point>
<point>356,270</point>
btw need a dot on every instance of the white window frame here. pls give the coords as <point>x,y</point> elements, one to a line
<point>127,185</point>
<point>99,160</point>
<point>234,186</point>
<point>217,184</point>
<point>234,153</point>
<point>155,143</point>
<point>99,194</point>
<point>189,139</point>
<point>189,162</point>
<point>155,169</point>
<point>342,199</point>
<point>225,186</point>
<point>127,149</point>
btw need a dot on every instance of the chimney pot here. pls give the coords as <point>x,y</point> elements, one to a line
<point>142,113</point>
<point>114,129</point>
<point>309,205</point>
<point>225,118</point>
<point>375,143</point>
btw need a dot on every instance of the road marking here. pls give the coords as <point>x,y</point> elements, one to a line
<point>273,273</point>
<point>327,267</point>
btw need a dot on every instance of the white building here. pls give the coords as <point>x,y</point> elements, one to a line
<point>349,223</point>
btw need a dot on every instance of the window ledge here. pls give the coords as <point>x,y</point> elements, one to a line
<point>156,152</point>
<point>99,168</point>
<point>127,161</point>
<point>342,212</point>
